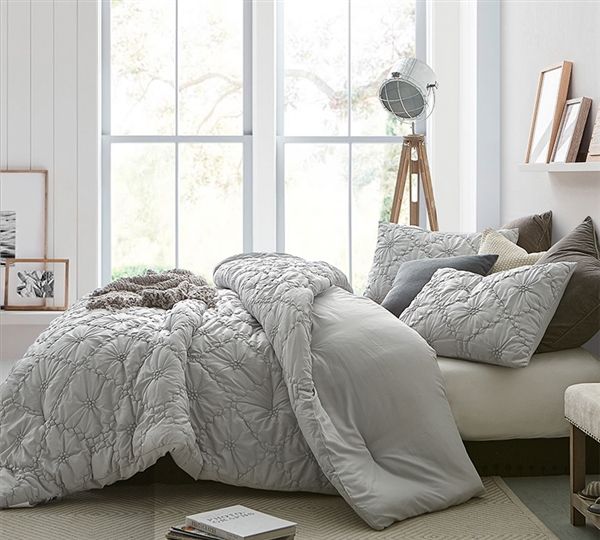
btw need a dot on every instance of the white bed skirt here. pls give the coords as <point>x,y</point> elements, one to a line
<point>498,403</point>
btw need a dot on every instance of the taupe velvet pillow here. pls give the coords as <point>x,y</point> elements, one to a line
<point>535,232</point>
<point>577,318</point>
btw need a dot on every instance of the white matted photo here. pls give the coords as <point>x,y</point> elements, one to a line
<point>36,284</point>
<point>553,85</point>
<point>23,211</point>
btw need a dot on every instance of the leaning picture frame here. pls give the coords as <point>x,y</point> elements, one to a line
<point>594,148</point>
<point>36,284</point>
<point>570,132</point>
<point>551,96</point>
<point>23,215</point>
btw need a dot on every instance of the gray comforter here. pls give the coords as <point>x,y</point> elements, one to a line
<point>289,383</point>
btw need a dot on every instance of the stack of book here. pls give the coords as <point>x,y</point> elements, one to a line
<point>233,523</point>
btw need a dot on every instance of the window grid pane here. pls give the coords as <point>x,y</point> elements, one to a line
<point>143,207</point>
<point>210,205</point>
<point>316,202</point>
<point>142,60</point>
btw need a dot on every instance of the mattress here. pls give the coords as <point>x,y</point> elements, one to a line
<point>498,403</point>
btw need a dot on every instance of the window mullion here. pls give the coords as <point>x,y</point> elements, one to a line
<point>176,133</point>
<point>350,143</point>
<point>264,220</point>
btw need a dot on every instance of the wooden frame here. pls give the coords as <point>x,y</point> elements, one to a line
<point>12,262</point>
<point>45,216</point>
<point>570,134</point>
<point>594,149</point>
<point>543,131</point>
<point>579,506</point>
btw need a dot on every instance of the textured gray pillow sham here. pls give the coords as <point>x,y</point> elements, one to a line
<point>414,275</point>
<point>498,319</point>
<point>399,243</point>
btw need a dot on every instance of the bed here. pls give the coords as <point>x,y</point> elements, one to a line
<point>291,382</point>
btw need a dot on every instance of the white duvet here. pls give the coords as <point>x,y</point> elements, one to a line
<point>290,383</point>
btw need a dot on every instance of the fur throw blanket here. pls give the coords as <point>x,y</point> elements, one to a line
<point>153,289</point>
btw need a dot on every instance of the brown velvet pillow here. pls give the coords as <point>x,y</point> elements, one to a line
<point>535,232</point>
<point>577,318</point>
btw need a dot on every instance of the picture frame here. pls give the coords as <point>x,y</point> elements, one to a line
<point>570,132</point>
<point>36,284</point>
<point>551,96</point>
<point>23,215</point>
<point>594,148</point>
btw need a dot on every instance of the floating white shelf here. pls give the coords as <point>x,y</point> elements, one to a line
<point>577,167</point>
<point>28,318</point>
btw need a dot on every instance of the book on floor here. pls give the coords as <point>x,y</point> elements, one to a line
<point>241,523</point>
<point>185,532</point>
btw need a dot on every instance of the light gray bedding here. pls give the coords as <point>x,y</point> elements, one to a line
<point>289,383</point>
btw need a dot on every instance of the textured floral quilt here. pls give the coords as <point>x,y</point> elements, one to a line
<point>289,383</point>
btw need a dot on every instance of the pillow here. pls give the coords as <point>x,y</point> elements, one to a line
<point>509,255</point>
<point>414,275</point>
<point>399,243</point>
<point>535,232</point>
<point>497,319</point>
<point>577,318</point>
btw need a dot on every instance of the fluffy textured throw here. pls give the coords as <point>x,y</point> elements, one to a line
<point>153,289</point>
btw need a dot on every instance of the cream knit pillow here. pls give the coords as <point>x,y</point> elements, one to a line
<point>509,255</point>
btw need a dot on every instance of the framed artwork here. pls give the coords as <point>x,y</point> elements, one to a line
<point>23,215</point>
<point>36,284</point>
<point>594,149</point>
<point>551,96</point>
<point>570,131</point>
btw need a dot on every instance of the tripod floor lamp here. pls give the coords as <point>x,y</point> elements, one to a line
<point>409,94</point>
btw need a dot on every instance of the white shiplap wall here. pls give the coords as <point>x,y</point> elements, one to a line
<point>49,65</point>
<point>49,110</point>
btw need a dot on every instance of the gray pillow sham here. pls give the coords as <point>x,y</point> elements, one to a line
<point>498,319</point>
<point>577,318</point>
<point>412,276</point>
<point>400,243</point>
<point>535,232</point>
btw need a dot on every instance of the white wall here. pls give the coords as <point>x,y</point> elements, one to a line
<point>49,119</point>
<point>536,35</point>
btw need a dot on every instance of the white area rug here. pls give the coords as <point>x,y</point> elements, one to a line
<point>145,512</point>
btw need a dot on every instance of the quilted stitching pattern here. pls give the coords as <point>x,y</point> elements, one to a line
<point>102,395</point>
<point>498,319</point>
<point>399,243</point>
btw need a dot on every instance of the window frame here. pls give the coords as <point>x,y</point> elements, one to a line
<point>108,139</point>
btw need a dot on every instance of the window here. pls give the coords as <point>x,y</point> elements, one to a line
<point>177,133</point>
<point>177,129</point>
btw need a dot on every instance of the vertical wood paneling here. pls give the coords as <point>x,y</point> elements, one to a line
<point>3,82</point>
<point>42,99</point>
<point>87,158</point>
<point>49,88</point>
<point>65,135</point>
<point>18,114</point>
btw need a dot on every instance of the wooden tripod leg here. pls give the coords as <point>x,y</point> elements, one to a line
<point>400,183</point>
<point>427,186</point>
<point>415,196</point>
